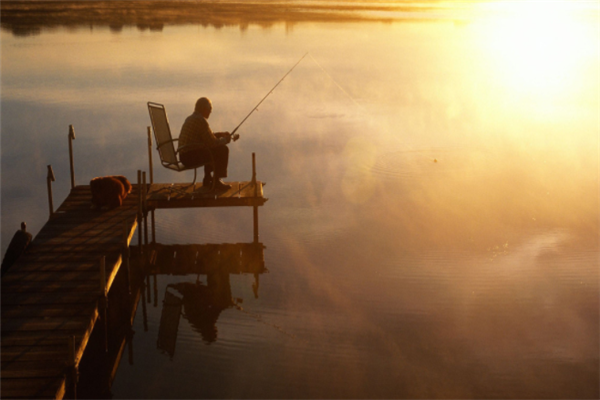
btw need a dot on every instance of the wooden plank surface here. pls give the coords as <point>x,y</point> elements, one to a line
<point>23,311</point>
<point>52,292</point>
<point>33,388</point>
<point>39,338</point>
<point>72,276</point>
<point>185,196</point>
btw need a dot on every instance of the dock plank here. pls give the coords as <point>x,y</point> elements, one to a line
<point>11,299</point>
<point>33,388</point>
<point>241,194</point>
<point>35,353</point>
<point>55,287</point>
<point>33,369</point>
<point>20,276</point>
<point>22,311</point>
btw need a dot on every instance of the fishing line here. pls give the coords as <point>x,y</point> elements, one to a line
<point>357,104</point>
<point>337,84</point>
<point>234,138</point>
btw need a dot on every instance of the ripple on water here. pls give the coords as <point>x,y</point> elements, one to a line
<point>413,164</point>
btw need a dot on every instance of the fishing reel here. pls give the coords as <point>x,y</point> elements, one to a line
<point>235,137</point>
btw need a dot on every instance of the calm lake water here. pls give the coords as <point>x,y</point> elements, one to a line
<point>433,184</point>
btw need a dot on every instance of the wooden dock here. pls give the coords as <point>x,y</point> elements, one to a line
<point>55,293</point>
<point>187,196</point>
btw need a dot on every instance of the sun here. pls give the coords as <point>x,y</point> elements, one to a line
<point>537,45</point>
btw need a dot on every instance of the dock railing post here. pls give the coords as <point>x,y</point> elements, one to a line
<point>155,290</point>
<point>71,162</point>
<point>255,207</point>
<point>144,311</point>
<point>151,179</point>
<point>125,258</point>
<point>130,334</point>
<point>72,362</point>
<point>49,179</point>
<point>153,226</point>
<point>139,215</point>
<point>148,289</point>
<point>150,154</point>
<point>144,208</point>
<point>103,302</point>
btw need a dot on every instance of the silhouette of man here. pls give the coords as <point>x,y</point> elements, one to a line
<point>203,304</point>
<point>197,141</point>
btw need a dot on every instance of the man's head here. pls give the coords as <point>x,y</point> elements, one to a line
<point>203,106</point>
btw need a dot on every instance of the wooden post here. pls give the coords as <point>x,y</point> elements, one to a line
<point>148,289</point>
<point>255,207</point>
<point>144,312</point>
<point>153,226</point>
<point>125,258</point>
<point>72,362</point>
<point>144,209</point>
<point>150,154</point>
<point>130,345</point>
<point>155,291</point>
<point>49,179</point>
<point>103,302</point>
<point>102,276</point>
<point>139,215</point>
<point>71,163</point>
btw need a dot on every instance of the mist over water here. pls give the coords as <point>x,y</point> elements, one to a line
<point>432,223</point>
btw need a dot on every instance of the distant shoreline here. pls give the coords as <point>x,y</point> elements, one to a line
<point>24,18</point>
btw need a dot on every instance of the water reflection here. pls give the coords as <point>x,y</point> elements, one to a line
<point>472,276</point>
<point>201,303</point>
<point>28,18</point>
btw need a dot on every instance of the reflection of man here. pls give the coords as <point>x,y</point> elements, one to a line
<point>196,140</point>
<point>203,304</point>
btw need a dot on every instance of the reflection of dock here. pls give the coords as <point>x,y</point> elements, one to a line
<point>199,303</point>
<point>235,258</point>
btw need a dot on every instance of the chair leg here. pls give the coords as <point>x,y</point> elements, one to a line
<point>195,173</point>
<point>214,166</point>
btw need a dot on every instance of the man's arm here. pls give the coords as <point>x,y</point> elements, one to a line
<point>223,137</point>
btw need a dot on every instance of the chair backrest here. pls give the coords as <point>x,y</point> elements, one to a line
<point>162,134</point>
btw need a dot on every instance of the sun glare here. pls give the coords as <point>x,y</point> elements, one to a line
<point>538,46</point>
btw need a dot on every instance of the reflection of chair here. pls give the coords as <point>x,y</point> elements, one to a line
<point>169,322</point>
<point>165,143</point>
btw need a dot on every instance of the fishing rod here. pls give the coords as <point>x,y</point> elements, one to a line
<point>236,137</point>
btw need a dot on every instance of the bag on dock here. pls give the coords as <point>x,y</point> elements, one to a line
<point>109,191</point>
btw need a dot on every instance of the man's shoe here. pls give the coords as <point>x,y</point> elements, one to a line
<point>220,185</point>
<point>207,182</point>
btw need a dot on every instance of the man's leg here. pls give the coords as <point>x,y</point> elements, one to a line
<point>208,169</point>
<point>198,157</point>
<point>221,156</point>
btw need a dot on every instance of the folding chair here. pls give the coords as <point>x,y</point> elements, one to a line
<point>165,143</point>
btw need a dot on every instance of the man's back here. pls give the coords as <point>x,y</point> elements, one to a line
<point>195,130</point>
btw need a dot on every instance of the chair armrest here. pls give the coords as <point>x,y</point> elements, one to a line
<point>172,141</point>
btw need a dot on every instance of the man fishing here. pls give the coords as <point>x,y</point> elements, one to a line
<point>197,141</point>
<point>196,131</point>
